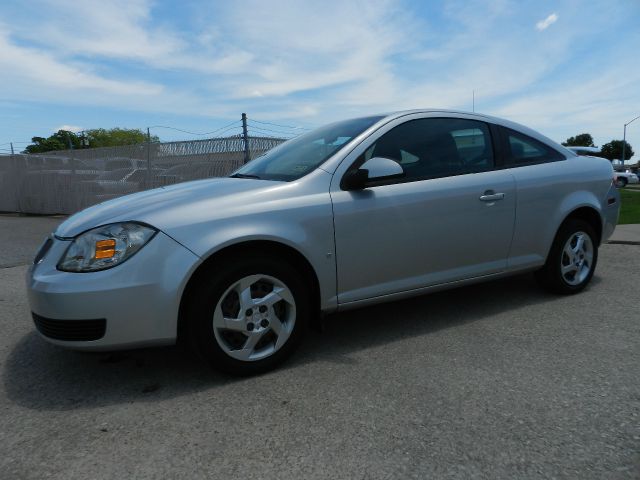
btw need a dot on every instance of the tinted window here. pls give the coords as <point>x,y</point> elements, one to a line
<point>436,147</point>
<point>524,150</point>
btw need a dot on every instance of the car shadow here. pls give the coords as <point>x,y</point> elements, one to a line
<point>40,376</point>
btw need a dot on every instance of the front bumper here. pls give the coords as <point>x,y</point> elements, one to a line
<point>139,300</point>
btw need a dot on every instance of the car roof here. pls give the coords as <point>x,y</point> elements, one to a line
<point>438,111</point>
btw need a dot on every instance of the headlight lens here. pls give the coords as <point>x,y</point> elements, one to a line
<point>105,247</point>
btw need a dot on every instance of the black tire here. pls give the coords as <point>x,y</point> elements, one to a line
<point>621,182</point>
<point>205,298</point>
<point>550,276</point>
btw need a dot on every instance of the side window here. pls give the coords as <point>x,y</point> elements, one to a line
<point>436,147</point>
<point>472,145</point>
<point>524,150</point>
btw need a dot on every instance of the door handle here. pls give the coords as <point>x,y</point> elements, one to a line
<point>491,196</point>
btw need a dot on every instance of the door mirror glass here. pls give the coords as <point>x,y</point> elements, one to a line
<point>374,169</point>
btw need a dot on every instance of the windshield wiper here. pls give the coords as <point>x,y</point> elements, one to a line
<point>244,175</point>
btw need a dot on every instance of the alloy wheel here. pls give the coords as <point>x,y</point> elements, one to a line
<point>576,260</point>
<point>254,317</point>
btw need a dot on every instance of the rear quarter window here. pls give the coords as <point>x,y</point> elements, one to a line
<point>521,149</point>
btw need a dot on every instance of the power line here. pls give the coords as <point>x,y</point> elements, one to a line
<point>295,134</point>
<point>263,135</point>
<point>194,133</point>
<point>256,132</point>
<point>218,136</point>
<point>278,125</point>
<point>231,128</point>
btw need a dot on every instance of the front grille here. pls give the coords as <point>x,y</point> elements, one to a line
<point>71,330</point>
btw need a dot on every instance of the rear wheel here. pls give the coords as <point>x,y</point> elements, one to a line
<point>250,317</point>
<point>621,182</point>
<point>572,258</point>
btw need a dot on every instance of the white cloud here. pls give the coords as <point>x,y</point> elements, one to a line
<point>35,67</point>
<point>303,48</point>
<point>69,128</point>
<point>571,108</point>
<point>544,24</point>
<point>318,61</point>
<point>40,74</point>
<point>117,29</point>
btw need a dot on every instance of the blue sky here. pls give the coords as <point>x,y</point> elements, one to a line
<point>561,67</point>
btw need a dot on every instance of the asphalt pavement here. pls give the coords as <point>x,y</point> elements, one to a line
<point>21,235</point>
<point>497,381</point>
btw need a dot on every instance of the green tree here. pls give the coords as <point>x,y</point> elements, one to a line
<point>97,137</point>
<point>613,150</point>
<point>582,140</point>
<point>61,140</point>
<point>115,137</point>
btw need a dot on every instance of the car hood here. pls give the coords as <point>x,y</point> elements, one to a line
<point>166,208</point>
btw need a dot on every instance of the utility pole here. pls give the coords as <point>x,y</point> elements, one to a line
<point>148,177</point>
<point>473,101</point>
<point>12,148</point>
<point>245,136</point>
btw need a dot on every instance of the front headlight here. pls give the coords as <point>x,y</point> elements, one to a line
<point>105,247</point>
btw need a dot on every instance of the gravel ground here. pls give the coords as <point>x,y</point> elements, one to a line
<point>496,381</point>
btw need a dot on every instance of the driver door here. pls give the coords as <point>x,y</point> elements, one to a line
<point>434,225</point>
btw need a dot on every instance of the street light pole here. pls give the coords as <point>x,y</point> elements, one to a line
<point>624,139</point>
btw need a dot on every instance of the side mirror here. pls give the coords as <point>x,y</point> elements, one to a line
<point>376,168</point>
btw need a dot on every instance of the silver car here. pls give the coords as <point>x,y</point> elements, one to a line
<point>354,213</point>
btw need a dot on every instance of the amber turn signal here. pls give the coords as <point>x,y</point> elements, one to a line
<point>105,248</point>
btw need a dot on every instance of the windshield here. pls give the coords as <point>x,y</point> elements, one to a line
<point>301,155</point>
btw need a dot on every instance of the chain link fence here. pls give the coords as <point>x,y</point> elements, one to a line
<point>65,181</point>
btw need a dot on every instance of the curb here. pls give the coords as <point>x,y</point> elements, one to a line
<point>623,242</point>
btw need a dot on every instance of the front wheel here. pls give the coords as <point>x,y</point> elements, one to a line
<point>572,259</point>
<point>250,317</point>
<point>621,182</point>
